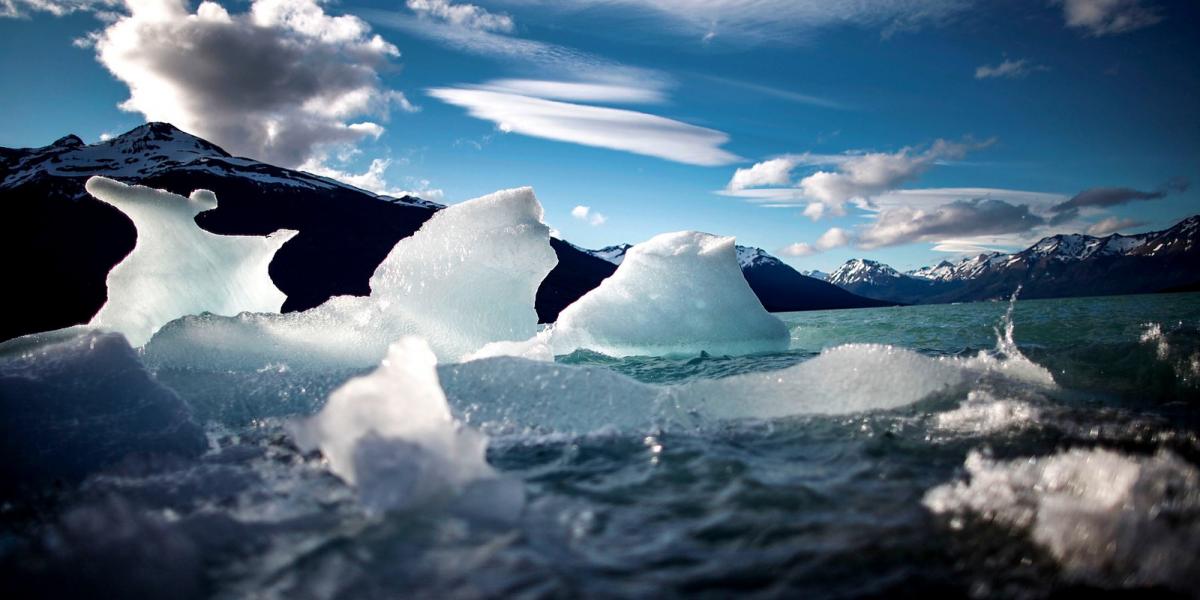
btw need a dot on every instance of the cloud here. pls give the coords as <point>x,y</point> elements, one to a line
<point>601,127</point>
<point>1108,17</point>
<point>462,15</point>
<point>373,179</point>
<point>1104,197</point>
<point>834,237</point>
<point>961,218</point>
<point>278,83</point>
<point>798,249</point>
<point>585,213</point>
<point>777,171</point>
<point>1009,69</point>
<point>18,9</point>
<point>582,91</point>
<point>1112,225</point>
<point>783,22</point>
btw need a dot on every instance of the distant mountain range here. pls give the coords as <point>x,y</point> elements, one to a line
<point>1057,266</point>
<point>59,242</point>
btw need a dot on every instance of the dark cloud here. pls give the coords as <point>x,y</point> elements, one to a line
<point>276,83</point>
<point>961,218</point>
<point>1104,197</point>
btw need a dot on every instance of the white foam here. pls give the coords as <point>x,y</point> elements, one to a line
<point>678,293</point>
<point>983,413</point>
<point>1106,517</point>
<point>178,269</point>
<point>391,435</point>
<point>468,277</point>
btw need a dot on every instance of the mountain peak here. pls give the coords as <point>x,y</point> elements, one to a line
<point>157,134</point>
<point>67,141</point>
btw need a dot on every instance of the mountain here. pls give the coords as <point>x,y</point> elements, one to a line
<point>778,286</point>
<point>1057,266</point>
<point>816,274</point>
<point>60,243</point>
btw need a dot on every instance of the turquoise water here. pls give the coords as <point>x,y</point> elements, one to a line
<point>1006,485</point>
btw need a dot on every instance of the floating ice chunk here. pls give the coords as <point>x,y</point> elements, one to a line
<point>178,269</point>
<point>391,435</point>
<point>77,401</point>
<point>678,293</point>
<point>468,277</point>
<point>1106,517</point>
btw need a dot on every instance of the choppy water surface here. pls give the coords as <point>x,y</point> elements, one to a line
<point>1007,486</point>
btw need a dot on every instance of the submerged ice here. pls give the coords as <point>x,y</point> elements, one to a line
<point>178,269</point>
<point>468,277</point>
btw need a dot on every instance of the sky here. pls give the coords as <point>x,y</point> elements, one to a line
<point>905,131</point>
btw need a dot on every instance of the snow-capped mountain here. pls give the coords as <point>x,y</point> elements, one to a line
<point>1056,266</point>
<point>155,149</point>
<point>816,274</point>
<point>862,271</point>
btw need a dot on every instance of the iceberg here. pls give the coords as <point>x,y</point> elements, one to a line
<point>176,268</point>
<point>468,277</point>
<point>78,401</point>
<point>391,435</point>
<point>678,293</point>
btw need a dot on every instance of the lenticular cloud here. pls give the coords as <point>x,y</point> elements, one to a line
<point>178,269</point>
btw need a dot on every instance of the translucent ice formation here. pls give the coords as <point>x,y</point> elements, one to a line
<point>678,293</point>
<point>466,278</point>
<point>391,435</point>
<point>178,269</point>
<point>1106,517</point>
<point>76,401</point>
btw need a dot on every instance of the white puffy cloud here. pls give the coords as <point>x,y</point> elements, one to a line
<point>1112,225</point>
<point>834,237</point>
<point>373,179</point>
<point>465,15</point>
<point>856,177</point>
<point>1108,17</point>
<point>798,249</point>
<point>777,171</point>
<point>585,213</point>
<point>1008,69</point>
<point>601,127</point>
<point>278,83</point>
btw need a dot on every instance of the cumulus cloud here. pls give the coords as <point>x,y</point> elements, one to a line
<point>1112,225</point>
<point>1008,69</point>
<point>856,177</point>
<point>373,179</point>
<point>278,83</point>
<point>1107,17</point>
<point>601,127</point>
<point>834,237</point>
<point>586,214</point>
<point>961,218</point>
<point>1105,197</point>
<point>469,16</point>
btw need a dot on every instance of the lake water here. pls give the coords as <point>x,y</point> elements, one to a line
<point>1071,469</point>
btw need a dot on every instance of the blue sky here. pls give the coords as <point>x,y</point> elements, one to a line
<point>901,130</point>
